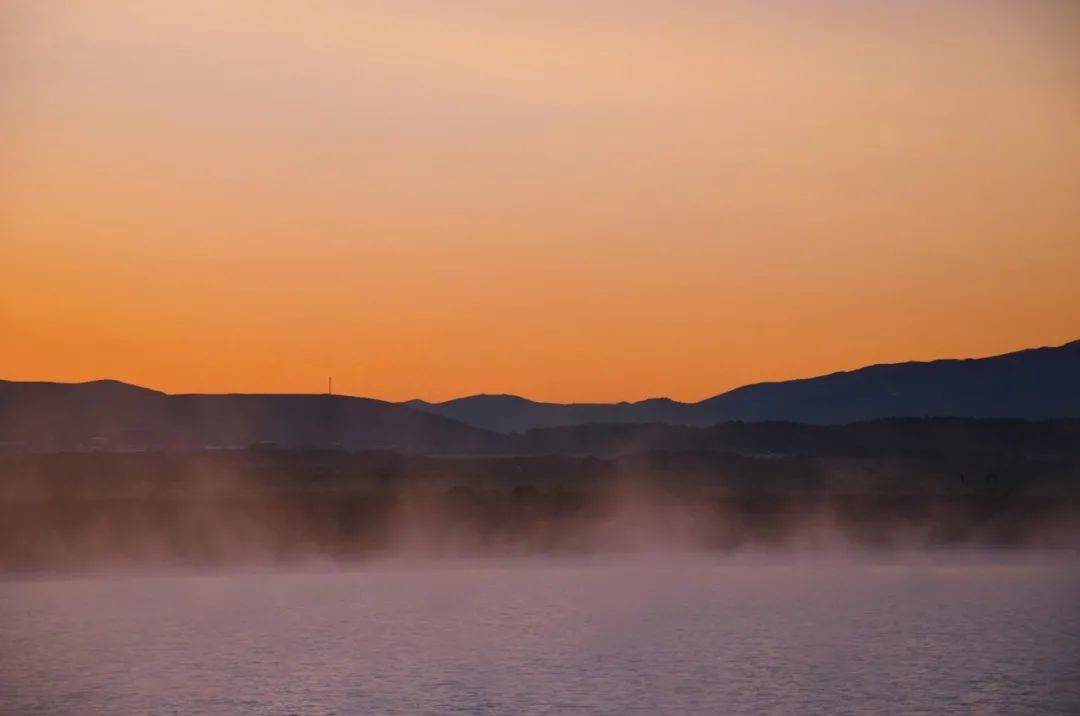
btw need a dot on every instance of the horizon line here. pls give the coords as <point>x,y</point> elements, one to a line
<point>548,402</point>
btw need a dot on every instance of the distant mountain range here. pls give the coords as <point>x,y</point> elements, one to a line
<point>1034,384</point>
<point>110,415</point>
<point>1037,384</point>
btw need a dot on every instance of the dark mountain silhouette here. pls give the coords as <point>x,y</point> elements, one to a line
<point>1034,384</point>
<point>111,415</point>
<point>511,414</point>
<point>1038,384</point>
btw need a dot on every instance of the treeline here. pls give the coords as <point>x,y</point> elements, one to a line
<point>932,438</point>
<point>1016,469</point>
<point>91,509</point>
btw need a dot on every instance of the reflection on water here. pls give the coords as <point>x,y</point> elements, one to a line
<point>662,636</point>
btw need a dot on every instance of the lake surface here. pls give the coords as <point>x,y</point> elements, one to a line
<point>664,635</point>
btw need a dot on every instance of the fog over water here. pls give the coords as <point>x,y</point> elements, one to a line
<point>962,633</point>
<point>325,582</point>
<point>647,357</point>
<point>94,511</point>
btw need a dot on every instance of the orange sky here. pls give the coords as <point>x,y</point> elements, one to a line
<point>568,200</point>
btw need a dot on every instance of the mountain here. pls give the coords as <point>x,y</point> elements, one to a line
<point>1034,384</point>
<point>112,415</point>
<point>511,414</point>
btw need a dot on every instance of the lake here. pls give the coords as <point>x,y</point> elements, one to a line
<point>956,634</point>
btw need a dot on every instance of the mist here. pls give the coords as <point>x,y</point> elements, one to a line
<point>93,511</point>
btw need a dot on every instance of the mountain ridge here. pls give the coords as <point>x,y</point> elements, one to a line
<point>1032,384</point>
<point>817,399</point>
<point>110,414</point>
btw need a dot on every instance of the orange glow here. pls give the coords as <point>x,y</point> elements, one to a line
<point>568,201</point>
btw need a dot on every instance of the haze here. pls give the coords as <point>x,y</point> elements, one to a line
<point>430,199</point>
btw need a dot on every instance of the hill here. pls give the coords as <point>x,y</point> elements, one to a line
<point>110,415</point>
<point>1034,384</point>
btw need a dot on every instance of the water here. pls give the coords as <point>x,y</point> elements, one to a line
<point>608,637</point>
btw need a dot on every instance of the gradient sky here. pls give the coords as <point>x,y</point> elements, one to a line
<point>568,200</point>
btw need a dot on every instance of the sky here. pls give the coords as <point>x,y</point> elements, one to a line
<point>570,200</point>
